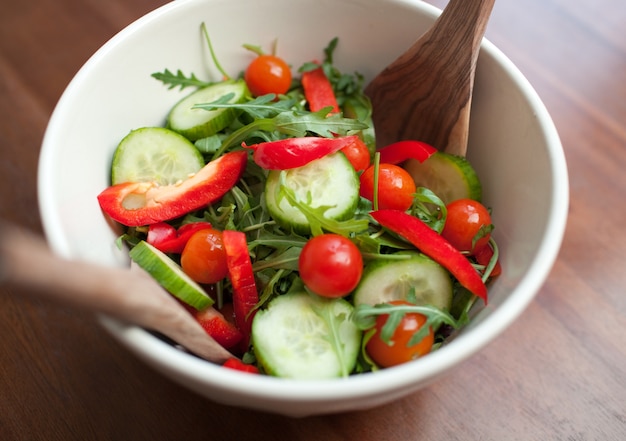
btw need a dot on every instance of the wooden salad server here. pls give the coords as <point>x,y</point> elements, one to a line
<point>127,294</point>
<point>426,93</point>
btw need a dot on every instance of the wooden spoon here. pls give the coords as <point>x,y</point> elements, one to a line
<point>130,295</point>
<point>426,93</point>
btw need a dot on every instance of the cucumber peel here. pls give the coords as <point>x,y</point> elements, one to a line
<point>196,123</point>
<point>450,177</point>
<point>304,336</point>
<point>170,275</point>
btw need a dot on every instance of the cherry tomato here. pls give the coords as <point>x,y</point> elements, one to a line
<point>464,221</point>
<point>395,187</point>
<point>358,154</point>
<point>204,258</point>
<point>398,352</point>
<point>483,256</point>
<point>330,265</point>
<point>268,74</point>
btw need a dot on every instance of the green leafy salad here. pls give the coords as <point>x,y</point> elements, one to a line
<point>266,208</point>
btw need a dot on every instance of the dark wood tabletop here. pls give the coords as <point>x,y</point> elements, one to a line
<point>559,373</point>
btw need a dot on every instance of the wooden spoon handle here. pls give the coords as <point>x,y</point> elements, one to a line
<point>132,296</point>
<point>438,68</point>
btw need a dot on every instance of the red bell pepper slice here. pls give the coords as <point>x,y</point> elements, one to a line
<point>159,233</point>
<point>144,203</point>
<point>169,240</point>
<point>238,365</point>
<point>402,150</point>
<point>245,294</point>
<point>318,91</point>
<point>216,325</point>
<point>290,153</point>
<point>434,246</point>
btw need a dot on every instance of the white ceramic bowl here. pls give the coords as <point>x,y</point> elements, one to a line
<point>513,145</point>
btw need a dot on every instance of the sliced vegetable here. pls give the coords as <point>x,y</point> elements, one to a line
<point>330,265</point>
<point>245,294</point>
<point>168,239</point>
<point>318,91</point>
<point>169,275</point>
<point>450,177</point>
<point>433,245</point>
<point>216,325</point>
<point>154,154</point>
<point>194,123</point>
<point>315,184</point>
<point>238,365</point>
<point>291,153</point>
<point>416,277</point>
<point>159,233</point>
<point>400,151</point>
<point>144,203</point>
<point>307,307</point>
<point>303,336</point>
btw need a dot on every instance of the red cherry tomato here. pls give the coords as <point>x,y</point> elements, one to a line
<point>358,154</point>
<point>465,219</point>
<point>204,258</point>
<point>396,187</point>
<point>398,352</point>
<point>268,74</point>
<point>330,265</point>
<point>483,256</point>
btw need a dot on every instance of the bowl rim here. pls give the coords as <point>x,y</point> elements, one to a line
<point>160,353</point>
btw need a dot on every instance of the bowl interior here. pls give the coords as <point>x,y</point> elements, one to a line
<point>513,146</point>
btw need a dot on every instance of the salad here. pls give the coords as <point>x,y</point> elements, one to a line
<point>266,208</point>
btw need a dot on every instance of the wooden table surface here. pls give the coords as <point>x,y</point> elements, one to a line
<point>559,373</point>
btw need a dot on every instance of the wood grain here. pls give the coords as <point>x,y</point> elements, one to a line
<point>559,373</point>
<point>426,93</point>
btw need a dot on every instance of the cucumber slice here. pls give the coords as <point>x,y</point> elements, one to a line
<point>330,181</point>
<point>170,275</point>
<point>304,336</point>
<point>387,280</point>
<point>450,177</point>
<point>199,123</point>
<point>155,154</point>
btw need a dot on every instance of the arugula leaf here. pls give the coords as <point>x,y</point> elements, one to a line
<point>264,106</point>
<point>325,309</point>
<point>179,79</point>
<point>286,259</point>
<point>320,223</point>
<point>290,124</point>
<point>429,208</point>
<point>209,145</point>
<point>364,317</point>
<point>298,123</point>
<point>364,361</point>
<point>212,51</point>
<point>277,241</point>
